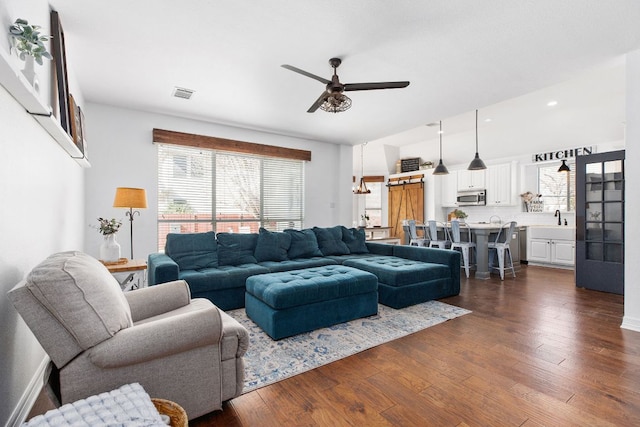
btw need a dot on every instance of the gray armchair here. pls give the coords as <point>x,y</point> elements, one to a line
<point>99,338</point>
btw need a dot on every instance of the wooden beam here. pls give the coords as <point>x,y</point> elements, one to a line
<point>214,143</point>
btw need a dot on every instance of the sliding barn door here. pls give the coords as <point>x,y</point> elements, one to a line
<point>406,201</point>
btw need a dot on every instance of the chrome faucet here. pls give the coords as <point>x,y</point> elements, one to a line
<point>557,214</point>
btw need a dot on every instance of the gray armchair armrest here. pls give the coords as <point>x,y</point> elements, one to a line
<point>160,338</point>
<point>148,302</point>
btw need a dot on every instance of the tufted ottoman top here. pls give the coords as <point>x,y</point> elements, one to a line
<point>395,271</point>
<point>301,287</point>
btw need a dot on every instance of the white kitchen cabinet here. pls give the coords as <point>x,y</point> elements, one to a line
<point>471,180</point>
<point>563,252</point>
<point>499,185</point>
<point>551,245</point>
<point>449,190</point>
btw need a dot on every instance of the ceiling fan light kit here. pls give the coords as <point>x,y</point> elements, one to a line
<point>476,163</point>
<point>336,103</point>
<point>332,99</point>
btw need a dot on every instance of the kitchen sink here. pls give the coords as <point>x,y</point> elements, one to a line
<point>555,232</point>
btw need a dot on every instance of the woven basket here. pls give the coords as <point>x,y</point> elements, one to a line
<point>173,410</point>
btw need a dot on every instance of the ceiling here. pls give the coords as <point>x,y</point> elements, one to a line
<point>458,56</point>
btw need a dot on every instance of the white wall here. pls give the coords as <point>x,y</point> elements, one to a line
<point>122,154</point>
<point>41,212</point>
<point>631,318</point>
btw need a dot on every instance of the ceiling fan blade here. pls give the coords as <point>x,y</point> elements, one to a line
<point>372,86</point>
<point>318,102</point>
<point>305,73</point>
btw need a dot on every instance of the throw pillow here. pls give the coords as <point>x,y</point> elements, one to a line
<point>304,244</point>
<point>272,246</point>
<point>236,248</point>
<point>192,251</point>
<point>330,241</point>
<point>354,238</point>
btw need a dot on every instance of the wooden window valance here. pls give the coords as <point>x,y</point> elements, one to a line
<point>214,143</point>
<point>370,178</point>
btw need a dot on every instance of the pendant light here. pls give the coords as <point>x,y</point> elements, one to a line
<point>476,163</point>
<point>441,169</point>
<point>564,167</point>
<point>362,187</point>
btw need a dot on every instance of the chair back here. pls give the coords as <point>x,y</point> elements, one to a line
<point>71,303</point>
<point>456,232</point>
<point>433,230</point>
<point>506,232</point>
<point>412,228</point>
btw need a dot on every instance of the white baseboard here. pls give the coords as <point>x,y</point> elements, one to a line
<point>633,324</point>
<point>28,398</point>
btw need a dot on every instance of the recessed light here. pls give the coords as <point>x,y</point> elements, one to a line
<point>487,120</point>
<point>552,103</point>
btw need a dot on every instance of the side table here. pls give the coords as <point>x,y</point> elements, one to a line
<point>130,273</point>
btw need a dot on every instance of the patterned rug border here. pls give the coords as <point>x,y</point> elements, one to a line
<point>268,361</point>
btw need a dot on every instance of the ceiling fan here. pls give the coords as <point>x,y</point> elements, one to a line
<point>332,99</point>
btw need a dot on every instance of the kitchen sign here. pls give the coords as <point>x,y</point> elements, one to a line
<point>562,154</point>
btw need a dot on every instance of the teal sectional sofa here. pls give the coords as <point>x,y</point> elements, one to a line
<point>216,267</point>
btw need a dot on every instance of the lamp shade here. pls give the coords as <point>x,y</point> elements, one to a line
<point>130,198</point>
<point>564,167</point>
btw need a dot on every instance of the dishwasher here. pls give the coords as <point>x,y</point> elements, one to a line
<point>522,237</point>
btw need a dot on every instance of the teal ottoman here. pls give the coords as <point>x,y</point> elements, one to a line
<point>403,282</point>
<point>293,302</point>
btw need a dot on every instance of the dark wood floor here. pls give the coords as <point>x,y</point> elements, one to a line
<point>536,351</point>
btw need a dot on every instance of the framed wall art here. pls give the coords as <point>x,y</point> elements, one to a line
<point>60,71</point>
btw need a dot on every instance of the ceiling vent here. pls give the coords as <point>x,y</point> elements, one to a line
<point>180,92</point>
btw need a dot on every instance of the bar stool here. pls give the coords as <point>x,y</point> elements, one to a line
<point>433,233</point>
<point>457,243</point>
<point>413,234</point>
<point>500,246</point>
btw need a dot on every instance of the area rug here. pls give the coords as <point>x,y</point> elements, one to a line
<point>268,361</point>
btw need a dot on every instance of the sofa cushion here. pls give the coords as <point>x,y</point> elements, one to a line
<point>330,240</point>
<point>192,251</point>
<point>223,277</point>
<point>298,263</point>
<point>82,295</point>
<point>272,246</point>
<point>304,244</point>
<point>394,271</point>
<point>354,238</point>
<point>236,248</point>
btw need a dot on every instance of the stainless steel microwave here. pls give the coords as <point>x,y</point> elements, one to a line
<point>472,198</point>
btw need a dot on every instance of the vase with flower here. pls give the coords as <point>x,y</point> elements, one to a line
<point>109,248</point>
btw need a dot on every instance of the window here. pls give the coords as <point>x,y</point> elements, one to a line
<point>210,190</point>
<point>373,203</point>
<point>557,188</point>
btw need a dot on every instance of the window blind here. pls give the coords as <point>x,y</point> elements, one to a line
<point>210,190</point>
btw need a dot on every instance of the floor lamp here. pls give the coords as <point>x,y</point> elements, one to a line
<point>130,198</point>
